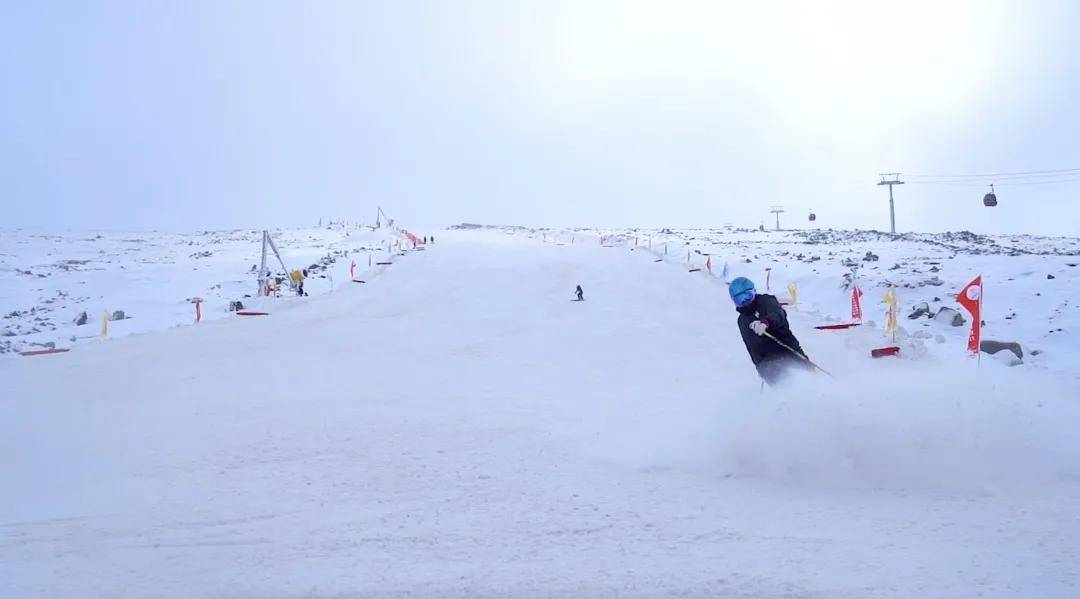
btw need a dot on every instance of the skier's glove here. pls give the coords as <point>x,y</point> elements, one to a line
<point>759,327</point>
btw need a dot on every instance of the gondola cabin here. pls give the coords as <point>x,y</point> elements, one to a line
<point>990,199</point>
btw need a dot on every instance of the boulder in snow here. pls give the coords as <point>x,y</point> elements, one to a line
<point>950,317</point>
<point>81,319</point>
<point>118,315</point>
<point>919,310</point>
<point>992,347</point>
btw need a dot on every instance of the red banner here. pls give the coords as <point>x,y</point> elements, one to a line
<point>856,304</point>
<point>970,297</point>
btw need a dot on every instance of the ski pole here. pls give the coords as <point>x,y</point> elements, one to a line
<point>800,354</point>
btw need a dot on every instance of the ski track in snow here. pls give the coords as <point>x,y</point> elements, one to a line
<point>457,428</point>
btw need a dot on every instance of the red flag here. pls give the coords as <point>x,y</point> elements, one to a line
<point>856,305</point>
<point>970,297</point>
<point>708,264</point>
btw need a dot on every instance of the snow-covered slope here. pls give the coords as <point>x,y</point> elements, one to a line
<point>1031,284</point>
<point>48,279</point>
<point>458,427</point>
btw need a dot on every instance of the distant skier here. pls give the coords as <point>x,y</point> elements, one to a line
<point>580,294</point>
<point>760,314</point>
<point>298,277</point>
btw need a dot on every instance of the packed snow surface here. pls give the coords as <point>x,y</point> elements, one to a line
<point>458,427</point>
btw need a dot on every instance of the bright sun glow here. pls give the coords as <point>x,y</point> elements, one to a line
<point>835,60</point>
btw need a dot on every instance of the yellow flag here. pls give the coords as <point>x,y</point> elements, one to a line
<point>105,324</point>
<point>890,316</point>
<point>794,291</point>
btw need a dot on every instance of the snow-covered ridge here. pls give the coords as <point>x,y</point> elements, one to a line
<point>49,279</point>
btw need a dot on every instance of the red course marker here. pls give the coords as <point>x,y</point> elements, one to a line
<point>43,352</point>
<point>881,352</point>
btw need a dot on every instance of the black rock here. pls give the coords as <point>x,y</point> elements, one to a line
<point>81,319</point>
<point>1050,277</point>
<point>919,310</point>
<point>992,347</point>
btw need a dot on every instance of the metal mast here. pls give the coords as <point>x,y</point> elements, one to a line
<point>891,179</point>
<point>777,210</point>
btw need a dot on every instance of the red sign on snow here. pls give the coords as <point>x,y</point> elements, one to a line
<point>970,297</point>
<point>856,305</point>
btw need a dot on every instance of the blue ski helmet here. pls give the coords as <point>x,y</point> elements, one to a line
<point>742,291</point>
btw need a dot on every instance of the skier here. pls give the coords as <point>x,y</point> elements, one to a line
<point>580,294</point>
<point>298,277</point>
<point>760,314</point>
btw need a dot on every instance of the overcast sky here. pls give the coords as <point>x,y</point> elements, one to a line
<point>182,115</point>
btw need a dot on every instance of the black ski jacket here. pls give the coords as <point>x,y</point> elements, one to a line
<point>766,307</point>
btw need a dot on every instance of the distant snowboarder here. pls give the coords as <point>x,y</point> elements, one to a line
<point>758,314</point>
<point>580,294</point>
